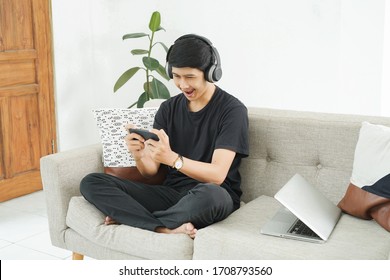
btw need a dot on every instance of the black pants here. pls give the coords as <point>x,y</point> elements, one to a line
<point>149,206</point>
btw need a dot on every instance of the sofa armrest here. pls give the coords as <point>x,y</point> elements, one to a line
<point>61,175</point>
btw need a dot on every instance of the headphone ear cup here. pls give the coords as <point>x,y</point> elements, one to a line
<point>214,73</point>
<point>209,74</point>
<point>217,74</point>
<point>168,70</point>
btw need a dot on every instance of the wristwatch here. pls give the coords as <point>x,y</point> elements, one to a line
<point>178,163</point>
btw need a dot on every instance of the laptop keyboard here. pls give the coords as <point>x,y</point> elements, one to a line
<point>302,229</point>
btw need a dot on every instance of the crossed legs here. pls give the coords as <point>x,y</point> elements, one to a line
<point>157,208</point>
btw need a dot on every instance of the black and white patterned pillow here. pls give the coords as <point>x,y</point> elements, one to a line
<point>111,124</point>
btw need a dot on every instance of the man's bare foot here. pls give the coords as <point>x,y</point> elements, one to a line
<point>187,228</point>
<point>109,221</point>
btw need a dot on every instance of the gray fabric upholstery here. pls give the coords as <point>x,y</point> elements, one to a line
<point>61,175</point>
<point>318,146</point>
<point>86,220</point>
<point>238,237</point>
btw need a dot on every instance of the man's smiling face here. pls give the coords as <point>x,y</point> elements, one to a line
<point>191,82</point>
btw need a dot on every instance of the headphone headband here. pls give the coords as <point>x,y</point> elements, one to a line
<point>195,36</point>
<point>213,72</point>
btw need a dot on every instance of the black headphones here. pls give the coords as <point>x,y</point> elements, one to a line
<point>213,73</point>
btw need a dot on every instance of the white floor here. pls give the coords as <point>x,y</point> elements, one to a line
<point>24,231</point>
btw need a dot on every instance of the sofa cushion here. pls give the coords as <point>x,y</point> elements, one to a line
<point>368,194</point>
<point>239,237</point>
<point>86,220</point>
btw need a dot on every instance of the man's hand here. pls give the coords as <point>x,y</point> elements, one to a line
<point>160,151</point>
<point>135,143</point>
<point>214,172</point>
<point>137,146</point>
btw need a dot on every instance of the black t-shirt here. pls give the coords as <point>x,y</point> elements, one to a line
<point>221,124</point>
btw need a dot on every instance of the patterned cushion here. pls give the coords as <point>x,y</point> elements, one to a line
<point>111,123</point>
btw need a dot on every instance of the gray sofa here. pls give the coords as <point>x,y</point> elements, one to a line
<point>318,146</point>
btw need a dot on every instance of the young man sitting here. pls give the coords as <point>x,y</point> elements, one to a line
<point>203,134</point>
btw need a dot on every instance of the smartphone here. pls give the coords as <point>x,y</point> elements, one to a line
<point>145,134</point>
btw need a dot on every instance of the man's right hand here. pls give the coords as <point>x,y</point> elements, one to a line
<point>141,153</point>
<point>135,143</point>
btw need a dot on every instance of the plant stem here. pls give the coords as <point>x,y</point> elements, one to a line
<point>147,70</point>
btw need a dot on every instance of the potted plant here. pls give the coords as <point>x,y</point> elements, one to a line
<point>153,88</point>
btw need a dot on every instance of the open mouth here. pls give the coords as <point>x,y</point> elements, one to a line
<point>189,93</point>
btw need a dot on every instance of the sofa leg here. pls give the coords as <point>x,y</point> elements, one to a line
<point>77,256</point>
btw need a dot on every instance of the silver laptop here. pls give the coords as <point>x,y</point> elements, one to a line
<point>307,214</point>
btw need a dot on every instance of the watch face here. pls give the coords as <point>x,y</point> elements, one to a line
<point>178,164</point>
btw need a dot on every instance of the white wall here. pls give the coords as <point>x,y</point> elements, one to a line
<point>385,100</point>
<point>313,55</point>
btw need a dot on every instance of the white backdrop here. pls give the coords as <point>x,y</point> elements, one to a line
<point>312,55</point>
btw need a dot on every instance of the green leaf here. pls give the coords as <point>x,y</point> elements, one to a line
<point>164,46</point>
<point>134,35</point>
<point>147,89</point>
<point>142,99</point>
<point>125,77</point>
<point>159,90</point>
<point>138,51</point>
<point>161,70</point>
<point>150,63</point>
<point>132,105</point>
<point>155,21</point>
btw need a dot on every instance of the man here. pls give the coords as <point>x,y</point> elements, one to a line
<point>203,134</point>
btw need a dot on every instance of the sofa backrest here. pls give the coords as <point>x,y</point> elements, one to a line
<point>319,146</point>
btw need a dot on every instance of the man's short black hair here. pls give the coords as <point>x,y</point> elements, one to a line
<point>191,52</point>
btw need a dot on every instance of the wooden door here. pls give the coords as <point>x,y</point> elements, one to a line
<point>27,123</point>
